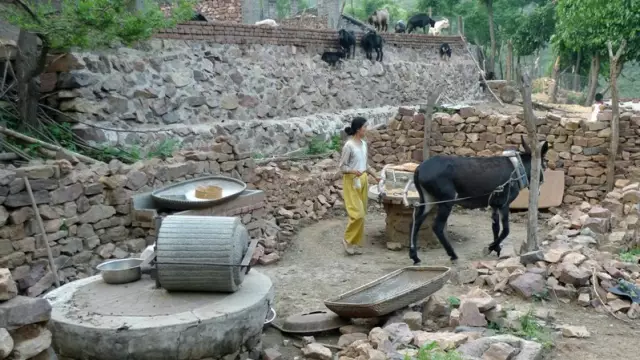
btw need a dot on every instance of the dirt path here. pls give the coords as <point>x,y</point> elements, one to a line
<point>315,268</point>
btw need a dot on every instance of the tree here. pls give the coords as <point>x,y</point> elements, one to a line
<point>615,121</point>
<point>492,35</point>
<point>587,26</point>
<point>78,24</point>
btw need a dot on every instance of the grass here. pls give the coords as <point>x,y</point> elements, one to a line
<point>630,256</point>
<point>530,329</point>
<point>432,351</point>
<point>317,147</point>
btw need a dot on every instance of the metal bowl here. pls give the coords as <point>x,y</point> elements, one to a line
<point>121,271</point>
<point>180,196</point>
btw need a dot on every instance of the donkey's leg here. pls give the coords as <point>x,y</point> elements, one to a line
<point>444,210</point>
<point>419,215</point>
<point>504,215</point>
<point>495,223</point>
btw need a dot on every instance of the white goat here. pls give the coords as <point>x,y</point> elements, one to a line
<point>439,25</point>
<point>269,22</point>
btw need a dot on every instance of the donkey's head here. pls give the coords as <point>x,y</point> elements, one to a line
<point>526,157</point>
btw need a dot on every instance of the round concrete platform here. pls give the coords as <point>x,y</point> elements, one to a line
<point>92,320</point>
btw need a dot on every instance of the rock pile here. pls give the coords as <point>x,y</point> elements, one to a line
<point>23,331</point>
<point>437,325</point>
<point>576,146</point>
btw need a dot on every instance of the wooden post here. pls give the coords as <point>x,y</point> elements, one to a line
<point>460,31</point>
<point>553,96</point>
<point>615,122</point>
<point>531,244</point>
<point>430,11</point>
<point>509,59</point>
<point>43,232</point>
<point>431,102</point>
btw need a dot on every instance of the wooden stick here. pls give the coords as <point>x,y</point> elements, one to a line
<point>466,46</point>
<point>42,230</point>
<point>593,281</point>
<point>8,156</point>
<point>46,145</point>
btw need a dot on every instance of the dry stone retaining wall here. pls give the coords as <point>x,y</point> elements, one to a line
<point>578,147</point>
<point>202,80</point>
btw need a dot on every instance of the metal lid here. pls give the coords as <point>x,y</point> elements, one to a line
<point>312,322</point>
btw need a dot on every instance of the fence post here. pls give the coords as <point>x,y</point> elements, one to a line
<point>460,30</point>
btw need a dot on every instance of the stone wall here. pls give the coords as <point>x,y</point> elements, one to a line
<point>229,79</point>
<point>216,10</point>
<point>578,147</point>
<point>92,214</point>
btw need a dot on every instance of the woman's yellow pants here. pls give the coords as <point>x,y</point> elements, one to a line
<point>355,201</point>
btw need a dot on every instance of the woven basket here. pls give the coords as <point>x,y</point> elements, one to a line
<point>209,192</point>
<point>435,278</point>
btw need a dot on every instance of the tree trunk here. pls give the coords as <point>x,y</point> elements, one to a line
<point>28,84</point>
<point>431,102</point>
<point>294,7</point>
<point>509,60</point>
<point>492,35</point>
<point>555,85</point>
<point>576,74</point>
<point>593,80</point>
<point>531,244</point>
<point>615,109</point>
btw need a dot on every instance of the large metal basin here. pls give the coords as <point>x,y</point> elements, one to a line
<point>121,271</point>
<point>179,196</point>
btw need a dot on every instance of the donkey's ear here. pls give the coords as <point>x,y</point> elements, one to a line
<point>527,149</point>
<point>544,149</point>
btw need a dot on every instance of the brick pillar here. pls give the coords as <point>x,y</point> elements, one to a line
<point>251,11</point>
<point>272,9</point>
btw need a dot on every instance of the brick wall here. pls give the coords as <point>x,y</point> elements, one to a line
<point>251,34</point>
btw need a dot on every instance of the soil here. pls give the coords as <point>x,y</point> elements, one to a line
<point>315,268</point>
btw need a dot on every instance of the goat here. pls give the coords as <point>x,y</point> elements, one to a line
<point>471,182</point>
<point>438,26</point>
<point>347,40</point>
<point>372,41</point>
<point>400,27</point>
<point>420,21</point>
<point>380,19</point>
<point>332,57</point>
<point>489,76</point>
<point>445,49</point>
<point>269,22</point>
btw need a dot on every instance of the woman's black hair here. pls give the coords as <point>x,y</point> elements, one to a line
<point>599,97</point>
<point>356,124</point>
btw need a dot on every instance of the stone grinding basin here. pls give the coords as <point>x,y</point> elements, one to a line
<point>94,320</point>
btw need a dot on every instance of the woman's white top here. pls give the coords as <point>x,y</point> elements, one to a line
<point>354,156</point>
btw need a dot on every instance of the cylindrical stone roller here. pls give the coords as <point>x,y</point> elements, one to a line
<point>191,253</point>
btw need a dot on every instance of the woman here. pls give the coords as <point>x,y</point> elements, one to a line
<point>353,165</point>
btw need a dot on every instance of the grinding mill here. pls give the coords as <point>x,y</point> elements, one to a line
<point>200,253</point>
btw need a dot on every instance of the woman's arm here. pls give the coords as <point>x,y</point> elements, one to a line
<point>372,172</point>
<point>344,160</point>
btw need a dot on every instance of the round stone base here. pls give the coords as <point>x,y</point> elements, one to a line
<point>93,320</point>
<point>398,227</point>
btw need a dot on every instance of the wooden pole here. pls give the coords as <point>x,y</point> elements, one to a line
<point>430,11</point>
<point>42,231</point>
<point>431,102</point>
<point>46,145</point>
<point>460,32</point>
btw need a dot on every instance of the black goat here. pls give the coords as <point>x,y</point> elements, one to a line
<point>347,40</point>
<point>490,76</point>
<point>420,21</point>
<point>372,41</point>
<point>445,49</point>
<point>198,17</point>
<point>400,27</point>
<point>471,182</point>
<point>332,57</point>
